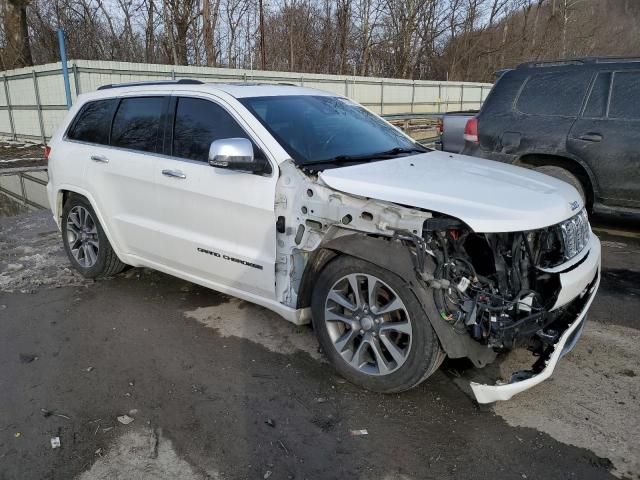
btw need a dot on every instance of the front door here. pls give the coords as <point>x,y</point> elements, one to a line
<point>218,225</point>
<point>607,137</point>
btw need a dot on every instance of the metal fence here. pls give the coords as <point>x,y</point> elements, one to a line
<point>34,101</point>
<point>26,185</point>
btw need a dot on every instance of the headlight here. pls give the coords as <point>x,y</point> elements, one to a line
<point>575,234</point>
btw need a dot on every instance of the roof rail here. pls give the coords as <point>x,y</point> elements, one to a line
<point>577,61</point>
<point>616,59</point>
<point>182,81</point>
<point>552,63</point>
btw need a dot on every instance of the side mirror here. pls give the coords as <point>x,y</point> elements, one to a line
<point>234,154</point>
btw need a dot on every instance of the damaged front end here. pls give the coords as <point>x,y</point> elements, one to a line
<point>526,290</point>
<point>484,294</point>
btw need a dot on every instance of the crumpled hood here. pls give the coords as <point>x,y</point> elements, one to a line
<point>488,196</point>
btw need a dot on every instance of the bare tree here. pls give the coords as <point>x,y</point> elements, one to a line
<point>17,48</point>
<point>210,15</point>
<point>434,39</point>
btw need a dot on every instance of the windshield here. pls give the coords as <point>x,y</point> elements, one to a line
<point>324,129</point>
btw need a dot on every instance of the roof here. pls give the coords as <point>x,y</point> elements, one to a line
<point>237,90</point>
<point>578,61</point>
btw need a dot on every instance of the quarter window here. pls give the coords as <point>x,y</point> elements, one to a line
<point>597,103</point>
<point>554,93</point>
<point>137,122</point>
<point>93,122</point>
<point>199,122</point>
<point>625,96</point>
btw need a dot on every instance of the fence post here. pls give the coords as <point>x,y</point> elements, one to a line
<point>462,96</point>
<point>301,81</point>
<point>39,106</point>
<point>23,189</point>
<point>76,79</point>
<point>9,109</point>
<point>173,74</point>
<point>346,87</point>
<point>481,95</point>
<point>65,71</point>
<point>381,96</point>
<point>439,97</point>
<point>413,94</point>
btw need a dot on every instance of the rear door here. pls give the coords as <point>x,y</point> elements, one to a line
<point>218,225</point>
<point>87,136</point>
<point>607,137</point>
<point>121,176</point>
<point>545,110</point>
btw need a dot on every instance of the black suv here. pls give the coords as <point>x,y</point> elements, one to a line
<point>577,120</point>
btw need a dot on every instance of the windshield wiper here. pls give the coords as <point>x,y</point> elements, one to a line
<point>370,156</point>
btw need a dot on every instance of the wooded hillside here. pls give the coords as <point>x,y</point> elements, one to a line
<point>420,39</point>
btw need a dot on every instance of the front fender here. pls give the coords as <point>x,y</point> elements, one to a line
<point>392,255</point>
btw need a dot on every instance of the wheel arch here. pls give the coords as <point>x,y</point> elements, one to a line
<point>365,247</point>
<point>65,192</point>
<point>397,259</point>
<point>574,165</point>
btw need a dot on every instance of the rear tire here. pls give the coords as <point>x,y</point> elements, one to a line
<point>85,242</point>
<point>382,341</point>
<point>566,176</point>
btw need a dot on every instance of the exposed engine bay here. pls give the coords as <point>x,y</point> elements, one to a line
<point>489,286</point>
<point>499,288</point>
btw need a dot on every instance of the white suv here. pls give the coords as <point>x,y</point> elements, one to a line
<point>310,205</point>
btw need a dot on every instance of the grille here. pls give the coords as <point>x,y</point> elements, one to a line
<point>575,234</point>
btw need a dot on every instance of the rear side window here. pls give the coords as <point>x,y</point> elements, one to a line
<point>554,93</point>
<point>597,104</point>
<point>625,96</point>
<point>199,122</point>
<point>93,122</point>
<point>137,123</point>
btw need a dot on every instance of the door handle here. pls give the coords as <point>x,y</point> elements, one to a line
<point>591,137</point>
<point>99,158</point>
<point>174,174</point>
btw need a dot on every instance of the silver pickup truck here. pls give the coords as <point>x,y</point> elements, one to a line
<point>452,127</point>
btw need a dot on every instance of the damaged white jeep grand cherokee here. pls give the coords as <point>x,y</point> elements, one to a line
<point>308,204</point>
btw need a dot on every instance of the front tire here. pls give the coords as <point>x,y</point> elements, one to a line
<point>85,242</point>
<point>372,328</point>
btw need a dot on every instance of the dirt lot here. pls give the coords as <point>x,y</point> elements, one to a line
<point>218,388</point>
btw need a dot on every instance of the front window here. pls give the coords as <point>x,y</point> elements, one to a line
<point>324,130</point>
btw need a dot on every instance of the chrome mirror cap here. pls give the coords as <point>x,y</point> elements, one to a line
<point>232,153</point>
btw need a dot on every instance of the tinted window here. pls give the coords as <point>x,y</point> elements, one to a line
<point>597,103</point>
<point>554,93</point>
<point>625,96</point>
<point>137,122</point>
<point>93,122</point>
<point>198,123</point>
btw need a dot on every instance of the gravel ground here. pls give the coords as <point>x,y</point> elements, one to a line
<point>218,388</point>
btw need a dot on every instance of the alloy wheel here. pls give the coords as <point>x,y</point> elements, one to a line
<point>82,236</point>
<point>368,324</point>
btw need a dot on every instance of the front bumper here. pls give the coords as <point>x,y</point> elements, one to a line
<point>583,280</point>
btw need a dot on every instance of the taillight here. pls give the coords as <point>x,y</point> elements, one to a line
<point>439,126</point>
<point>47,152</point>
<point>471,130</point>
